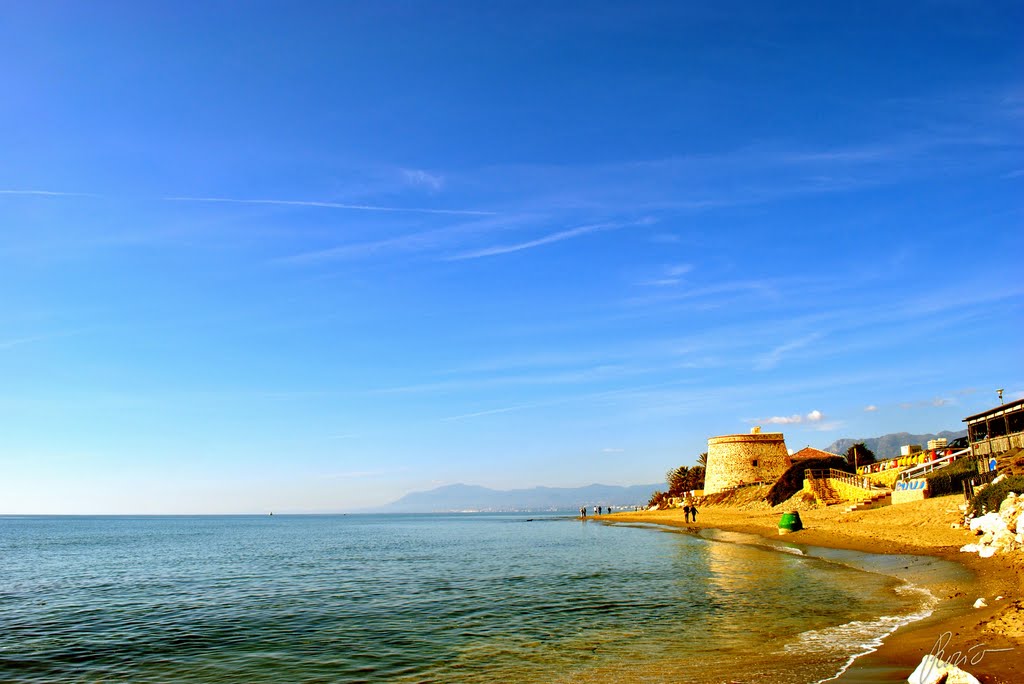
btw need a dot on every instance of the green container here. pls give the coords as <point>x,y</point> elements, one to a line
<point>790,522</point>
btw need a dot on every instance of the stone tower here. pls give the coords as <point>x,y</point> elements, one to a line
<point>736,459</point>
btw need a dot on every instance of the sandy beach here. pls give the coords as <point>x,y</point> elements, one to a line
<point>922,528</point>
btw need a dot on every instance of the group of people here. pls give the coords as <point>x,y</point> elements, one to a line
<point>597,510</point>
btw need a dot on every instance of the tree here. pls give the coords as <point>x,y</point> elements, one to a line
<point>695,478</point>
<point>702,460</point>
<point>860,455</point>
<point>677,479</point>
<point>683,479</point>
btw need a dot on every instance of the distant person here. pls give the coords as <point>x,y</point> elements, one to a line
<point>686,513</point>
<point>693,513</point>
<point>583,511</point>
<point>599,510</point>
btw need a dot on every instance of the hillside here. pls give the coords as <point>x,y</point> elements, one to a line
<point>463,497</point>
<point>889,445</point>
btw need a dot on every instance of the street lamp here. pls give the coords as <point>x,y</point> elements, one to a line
<point>1000,393</point>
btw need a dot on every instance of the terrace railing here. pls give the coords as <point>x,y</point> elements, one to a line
<point>925,468</point>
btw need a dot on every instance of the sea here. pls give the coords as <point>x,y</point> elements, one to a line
<point>432,598</point>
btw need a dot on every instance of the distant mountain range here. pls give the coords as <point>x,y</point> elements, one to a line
<point>463,497</point>
<point>888,446</point>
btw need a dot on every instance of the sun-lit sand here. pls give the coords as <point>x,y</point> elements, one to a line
<point>921,528</point>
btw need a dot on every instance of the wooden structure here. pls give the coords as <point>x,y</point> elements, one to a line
<point>997,430</point>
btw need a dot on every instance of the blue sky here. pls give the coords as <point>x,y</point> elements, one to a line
<point>309,257</point>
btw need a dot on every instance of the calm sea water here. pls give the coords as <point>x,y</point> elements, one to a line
<point>442,598</point>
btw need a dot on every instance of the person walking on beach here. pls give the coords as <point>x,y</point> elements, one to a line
<point>583,511</point>
<point>686,512</point>
<point>599,510</point>
<point>693,513</point>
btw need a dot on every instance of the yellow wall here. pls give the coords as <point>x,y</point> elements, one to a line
<point>911,490</point>
<point>887,478</point>
<point>848,492</point>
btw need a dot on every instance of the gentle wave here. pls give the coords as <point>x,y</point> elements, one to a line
<point>859,638</point>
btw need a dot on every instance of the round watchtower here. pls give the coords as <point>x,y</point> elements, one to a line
<point>740,459</point>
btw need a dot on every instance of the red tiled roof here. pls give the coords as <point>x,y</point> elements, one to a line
<point>811,452</point>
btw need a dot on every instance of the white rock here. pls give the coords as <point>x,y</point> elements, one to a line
<point>1020,525</point>
<point>980,603</point>
<point>970,548</point>
<point>963,507</point>
<point>987,551</point>
<point>990,522</point>
<point>934,671</point>
<point>999,598</point>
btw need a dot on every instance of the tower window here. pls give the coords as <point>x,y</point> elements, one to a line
<point>754,463</point>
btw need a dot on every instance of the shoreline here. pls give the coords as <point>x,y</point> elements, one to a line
<point>918,529</point>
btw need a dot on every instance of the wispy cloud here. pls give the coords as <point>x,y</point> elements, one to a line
<point>669,275</point>
<point>772,358</point>
<point>547,239</point>
<point>433,240</point>
<point>17,342</point>
<point>330,205</point>
<point>490,412</point>
<point>47,193</point>
<point>814,416</point>
<point>422,179</point>
<point>935,402</point>
<point>870,408</point>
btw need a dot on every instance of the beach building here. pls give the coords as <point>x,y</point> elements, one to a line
<point>735,460</point>
<point>997,430</point>
<point>811,452</point>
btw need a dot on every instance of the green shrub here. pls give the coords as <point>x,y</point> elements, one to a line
<point>989,498</point>
<point>949,480</point>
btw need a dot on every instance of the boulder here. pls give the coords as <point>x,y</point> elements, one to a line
<point>935,671</point>
<point>988,523</point>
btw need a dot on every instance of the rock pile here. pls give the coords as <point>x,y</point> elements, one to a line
<point>1000,532</point>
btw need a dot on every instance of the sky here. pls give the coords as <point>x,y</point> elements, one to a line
<point>302,257</point>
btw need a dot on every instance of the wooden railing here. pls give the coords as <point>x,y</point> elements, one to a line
<point>858,481</point>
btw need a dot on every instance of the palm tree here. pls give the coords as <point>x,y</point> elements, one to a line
<point>677,479</point>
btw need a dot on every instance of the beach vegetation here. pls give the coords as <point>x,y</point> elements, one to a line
<point>989,498</point>
<point>659,499</point>
<point>949,480</point>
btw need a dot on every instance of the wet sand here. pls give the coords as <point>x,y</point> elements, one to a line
<point>923,529</point>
